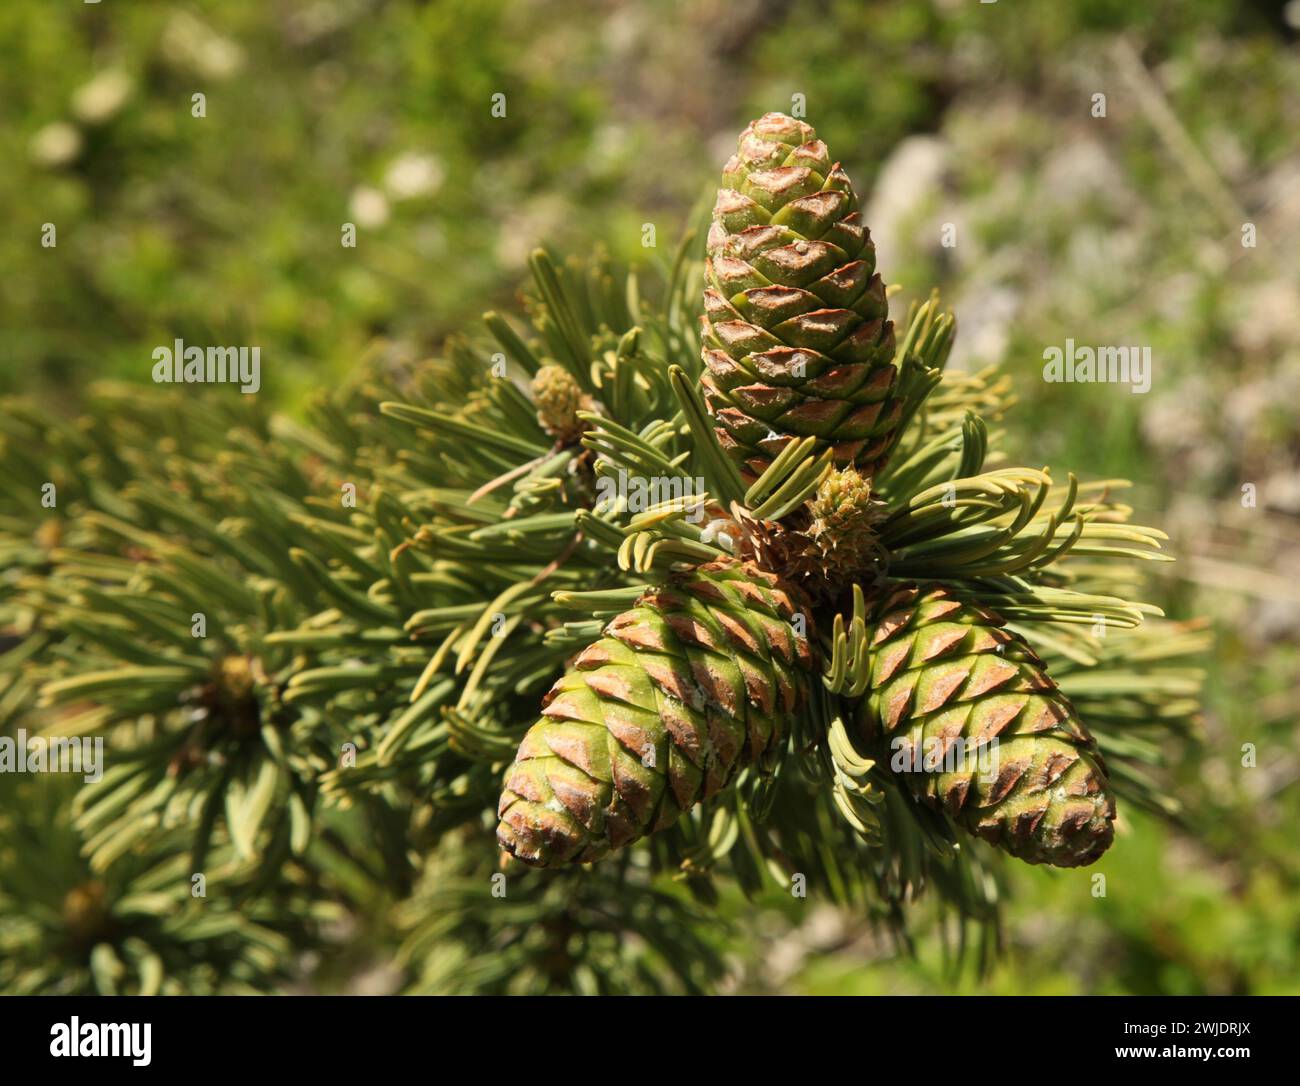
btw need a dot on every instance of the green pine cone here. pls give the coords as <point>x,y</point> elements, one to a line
<point>697,680</point>
<point>943,670</point>
<point>559,398</point>
<point>839,539</point>
<point>796,337</point>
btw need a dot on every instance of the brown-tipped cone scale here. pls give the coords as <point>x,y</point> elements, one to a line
<point>796,337</point>
<point>696,681</point>
<point>977,728</point>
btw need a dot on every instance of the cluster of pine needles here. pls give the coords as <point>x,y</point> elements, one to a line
<point>386,592</point>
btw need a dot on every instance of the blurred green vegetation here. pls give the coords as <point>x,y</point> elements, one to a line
<point>1118,229</point>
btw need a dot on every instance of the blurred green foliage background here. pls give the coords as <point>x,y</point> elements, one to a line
<point>1122,228</point>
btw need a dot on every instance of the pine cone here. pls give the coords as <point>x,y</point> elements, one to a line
<point>839,540</point>
<point>796,340</point>
<point>559,398</point>
<point>696,681</point>
<point>943,670</point>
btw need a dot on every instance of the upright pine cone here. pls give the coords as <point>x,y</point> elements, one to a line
<point>943,670</point>
<point>796,340</point>
<point>839,538</point>
<point>696,681</point>
<point>559,398</point>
